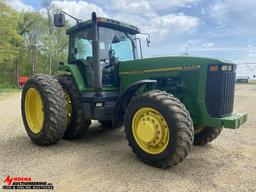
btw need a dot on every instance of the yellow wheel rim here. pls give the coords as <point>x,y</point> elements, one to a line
<point>198,128</point>
<point>34,110</point>
<point>68,107</point>
<point>150,130</point>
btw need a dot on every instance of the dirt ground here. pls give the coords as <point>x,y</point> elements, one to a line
<point>102,160</point>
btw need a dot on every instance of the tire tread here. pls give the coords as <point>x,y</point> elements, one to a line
<point>182,117</point>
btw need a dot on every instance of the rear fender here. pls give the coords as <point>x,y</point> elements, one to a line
<point>75,72</point>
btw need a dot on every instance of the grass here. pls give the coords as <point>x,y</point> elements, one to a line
<point>9,90</point>
<point>6,90</point>
<point>6,87</point>
<point>5,93</point>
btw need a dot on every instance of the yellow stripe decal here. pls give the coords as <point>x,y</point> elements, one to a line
<point>184,68</point>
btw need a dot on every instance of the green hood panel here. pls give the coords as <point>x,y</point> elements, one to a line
<point>175,62</point>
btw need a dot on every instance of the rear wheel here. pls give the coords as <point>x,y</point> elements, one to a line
<point>43,109</point>
<point>204,135</point>
<point>76,122</point>
<point>159,128</point>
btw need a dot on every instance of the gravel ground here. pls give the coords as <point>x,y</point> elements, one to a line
<point>102,160</point>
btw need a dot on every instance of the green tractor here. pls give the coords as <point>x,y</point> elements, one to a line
<point>166,104</point>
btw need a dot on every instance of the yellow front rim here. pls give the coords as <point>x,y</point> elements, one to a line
<point>34,110</point>
<point>150,130</point>
<point>68,107</point>
<point>198,128</point>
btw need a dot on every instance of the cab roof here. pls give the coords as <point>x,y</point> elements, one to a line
<point>105,22</point>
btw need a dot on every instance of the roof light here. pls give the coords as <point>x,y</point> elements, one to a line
<point>101,19</point>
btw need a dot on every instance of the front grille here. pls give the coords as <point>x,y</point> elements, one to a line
<point>220,87</point>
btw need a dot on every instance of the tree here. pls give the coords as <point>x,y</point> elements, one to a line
<point>9,41</point>
<point>47,6</point>
<point>33,27</point>
<point>29,43</point>
<point>56,41</point>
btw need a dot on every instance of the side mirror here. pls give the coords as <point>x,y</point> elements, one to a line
<point>148,41</point>
<point>59,20</point>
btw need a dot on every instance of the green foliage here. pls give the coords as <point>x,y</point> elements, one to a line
<point>28,42</point>
<point>6,85</point>
<point>9,37</point>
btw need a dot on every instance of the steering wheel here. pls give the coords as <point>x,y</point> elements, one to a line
<point>112,58</point>
<point>111,53</point>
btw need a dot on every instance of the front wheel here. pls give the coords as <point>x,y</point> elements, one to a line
<point>159,129</point>
<point>204,135</point>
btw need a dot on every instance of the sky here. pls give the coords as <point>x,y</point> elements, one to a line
<point>209,28</point>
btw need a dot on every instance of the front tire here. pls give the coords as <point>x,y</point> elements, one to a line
<point>77,124</point>
<point>204,135</point>
<point>43,109</point>
<point>159,129</point>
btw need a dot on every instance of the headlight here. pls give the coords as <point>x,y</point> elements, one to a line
<point>214,68</point>
<point>222,67</point>
<point>226,68</point>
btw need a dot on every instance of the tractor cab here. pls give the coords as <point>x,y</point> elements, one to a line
<point>98,45</point>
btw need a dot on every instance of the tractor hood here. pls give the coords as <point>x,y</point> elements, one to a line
<point>166,64</point>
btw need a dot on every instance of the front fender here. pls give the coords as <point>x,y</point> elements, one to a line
<point>124,99</point>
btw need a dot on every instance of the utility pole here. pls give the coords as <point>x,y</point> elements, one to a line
<point>50,63</point>
<point>187,46</point>
<point>33,60</point>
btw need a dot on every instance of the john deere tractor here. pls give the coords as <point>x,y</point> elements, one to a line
<point>166,104</point>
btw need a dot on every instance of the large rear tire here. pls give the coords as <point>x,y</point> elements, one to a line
<point>159,129</point>
<point>43,108</point>
<point>77,124</point>
<point>204,135</point>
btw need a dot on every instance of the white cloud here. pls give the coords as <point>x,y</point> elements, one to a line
<point>172,4</point>
<point>237,16</point>
<point>234,29</point>
<point>131,6</point>
<point>146,5</point>
<point>141,14</point>
<point>208,44</point>
<point>164,27</point>
<point>173,24</point>
<point>144,14</point>
<point>79,9</point>
<point>252,55</point>
<point>19,6</point>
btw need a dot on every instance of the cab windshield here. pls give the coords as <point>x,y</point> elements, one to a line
<point>122,44</point>
<point>115,46</point>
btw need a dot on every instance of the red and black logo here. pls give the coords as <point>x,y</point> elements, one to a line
<point>24,183</point>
